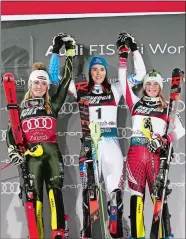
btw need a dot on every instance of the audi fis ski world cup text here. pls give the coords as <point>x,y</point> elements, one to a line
<point>110,49</point>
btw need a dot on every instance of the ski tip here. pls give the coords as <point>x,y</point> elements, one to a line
<point>7,77</point>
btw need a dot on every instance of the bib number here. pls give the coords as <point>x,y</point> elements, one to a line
<point>99,113</point>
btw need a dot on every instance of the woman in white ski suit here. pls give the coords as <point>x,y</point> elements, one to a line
<point>103,103</point>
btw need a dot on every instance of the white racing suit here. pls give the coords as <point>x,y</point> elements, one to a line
<point>103,110</point>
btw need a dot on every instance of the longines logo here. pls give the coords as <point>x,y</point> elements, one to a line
<point>110,49</point>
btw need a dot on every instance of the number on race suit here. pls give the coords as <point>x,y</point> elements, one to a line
<point>92,213</point>
<point>12,106</point>
<point>161,218</point>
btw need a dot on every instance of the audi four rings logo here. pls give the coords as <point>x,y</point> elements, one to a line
<point>124,133</point>
<point>71,160</point>
<point>181,106</point>
<point>37,123</point>
<point>3,134</point>
<point>179,158</point>
<point>10,187</point>
<point>69,108</point>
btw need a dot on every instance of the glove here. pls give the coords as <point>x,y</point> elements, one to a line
<point>130,42</point>
<point>70,45</point>
<point>15,155</point>
<point>123,48</point>
<point>58,42</point>
<point>157,142</point>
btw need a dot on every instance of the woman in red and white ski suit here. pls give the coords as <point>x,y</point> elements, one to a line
<point>139,158</point>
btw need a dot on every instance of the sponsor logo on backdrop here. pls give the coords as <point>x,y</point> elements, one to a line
<point>71,160</point>
<point>69,108</point>
<point>77,134</point>
<point>124,133</point>
<point>3,134</point>
<point>178,159</point>
<point>10,188</point>
<point>110,49</point>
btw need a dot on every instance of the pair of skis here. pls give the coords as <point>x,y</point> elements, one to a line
<point>10,94</point>
<point>161,218</point>
<point>93,212</point>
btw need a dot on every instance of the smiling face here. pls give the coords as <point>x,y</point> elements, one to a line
<point>152,88</point>
<point>38,88</point>
<point>98,73</point>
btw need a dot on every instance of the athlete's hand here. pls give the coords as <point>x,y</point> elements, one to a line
<point>15,155</point>
<point>95,132</point>
<point>123,48</point>
<point>130,42</point>
<point>156,143</point>
<point>70,45</point>
<point>58,42</point>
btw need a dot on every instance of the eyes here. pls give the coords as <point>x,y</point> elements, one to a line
<point>156,84</point>
<point>102,69</point>
<point>39,82</point>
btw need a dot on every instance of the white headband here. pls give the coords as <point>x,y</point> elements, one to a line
<point>40,75</point>
<point>156,78</point>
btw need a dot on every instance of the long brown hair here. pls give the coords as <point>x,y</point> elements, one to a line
<point>28,95</point>
<point>106,86</point>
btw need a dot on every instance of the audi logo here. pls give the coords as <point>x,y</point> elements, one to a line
<point>69,108</point>
<point>37,123</point>
<point>71,160</point>
<point>124,133</point>
<point>10,188</point>
<point>3,134</point>
<point>181,106</point>
<point>179,158</point>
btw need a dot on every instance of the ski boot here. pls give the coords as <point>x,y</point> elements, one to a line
<point>171,236</point>
<point>61,233</point>
<point>115,212</point>
<point>58,234</point>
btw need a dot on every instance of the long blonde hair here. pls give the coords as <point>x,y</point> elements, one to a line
<point>163,103</point>
<point>28,95</point>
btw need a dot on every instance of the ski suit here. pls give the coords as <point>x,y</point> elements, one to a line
<point>103,110</point>
<point>142,166</point>
<point>39,127</point>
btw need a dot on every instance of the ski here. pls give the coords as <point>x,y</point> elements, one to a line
<point>13,108</point>
<point>92,224</point>
<point>161,218</point>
